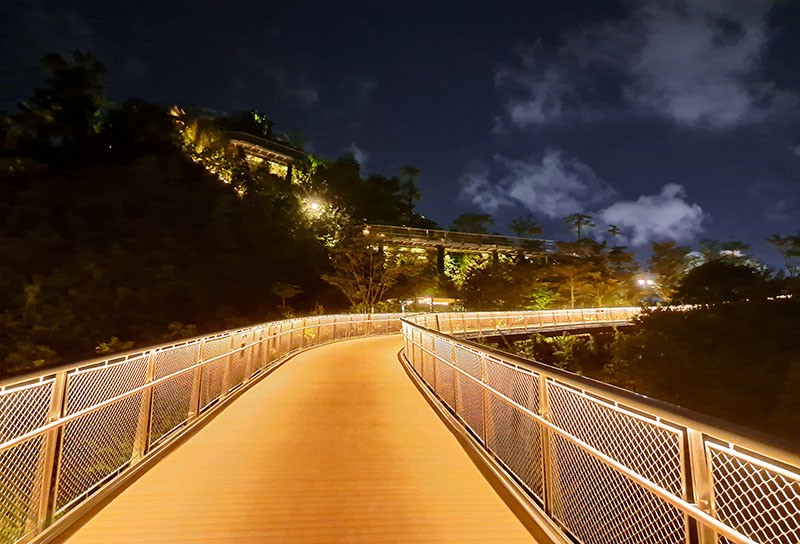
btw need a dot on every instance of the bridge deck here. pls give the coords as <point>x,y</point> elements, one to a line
<point>337,445</point>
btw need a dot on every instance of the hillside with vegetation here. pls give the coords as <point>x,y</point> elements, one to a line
<point>124,225</point>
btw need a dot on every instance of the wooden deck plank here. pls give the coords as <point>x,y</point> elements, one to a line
<point>336,446</point>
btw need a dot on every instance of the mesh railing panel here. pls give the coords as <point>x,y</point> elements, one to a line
<point>445,383</point>
<point>91,387</point>
<point>469,361</point>
<point>174,359</point>
<point>610,472</point>
<point>598,505</point>
<point>757,498</point>
<point>469,403</point>
<point>211,387</point>
<point>620,435</point>
<point>20,479</point>
<point>23,409</point>
<point>171,405</point>
<point>519,385</point>
<point>107,414</point>
<point>96,446</point>
<point>515,438</point>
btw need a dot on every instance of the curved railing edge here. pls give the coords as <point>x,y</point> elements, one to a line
<point>727,431</point>
<point>703,436</point>
<point>32,451</point>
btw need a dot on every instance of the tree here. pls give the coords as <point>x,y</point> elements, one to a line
<point>67,111</point>
<point>668,263</point>
<point>285,291</point>
<point>789,248</point>
<point>360,273</point>
<point>720,281</point>
<point>409,193</point>
<point>478,223</point>
<point>578,222</point>
<point>524,226</point>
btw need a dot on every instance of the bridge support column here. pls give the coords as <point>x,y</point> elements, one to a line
<point>440,260</point>
<point>495,258</point>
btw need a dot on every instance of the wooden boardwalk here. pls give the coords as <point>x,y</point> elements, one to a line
<point>337,445</point>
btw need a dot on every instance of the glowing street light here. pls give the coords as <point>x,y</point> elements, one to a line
<point>313,208</point>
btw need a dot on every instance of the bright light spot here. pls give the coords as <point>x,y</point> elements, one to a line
<point>314,208</point>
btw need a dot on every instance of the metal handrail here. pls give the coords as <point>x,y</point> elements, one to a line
<point>673,475</point>
<point>67,432</point>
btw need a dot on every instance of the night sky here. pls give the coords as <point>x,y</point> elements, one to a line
<point>667,118</point>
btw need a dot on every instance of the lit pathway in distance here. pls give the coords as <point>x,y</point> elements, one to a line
<point>336,445</point>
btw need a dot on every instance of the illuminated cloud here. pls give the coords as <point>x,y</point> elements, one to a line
<point>361,156</point>
<point>553,185</point>
<point>667,215</point>
<point>538,91</point>
<point>698,64</point>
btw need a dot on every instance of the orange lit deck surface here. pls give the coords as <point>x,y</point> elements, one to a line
<point>336,445</point>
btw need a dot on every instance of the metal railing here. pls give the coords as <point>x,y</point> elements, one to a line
<point>66,433</point>
<point>605,465</point>
<point>465,241</point>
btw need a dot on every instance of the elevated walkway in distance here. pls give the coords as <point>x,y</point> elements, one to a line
<point>465,242</point>
<point>336,445</point>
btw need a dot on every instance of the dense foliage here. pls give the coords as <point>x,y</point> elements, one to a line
<point>737,361</point>
<point>133,223</point>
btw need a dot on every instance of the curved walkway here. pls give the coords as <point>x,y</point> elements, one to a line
<point>336,445</point>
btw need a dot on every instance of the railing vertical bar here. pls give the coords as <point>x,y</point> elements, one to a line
<point>196,401</point>
<point>484,404</point>
<point>702,490</point>
<point>547,462</point>
<point>141,440</point>
<point>51,458</point>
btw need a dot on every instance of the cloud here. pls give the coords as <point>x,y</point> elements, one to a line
<point>666,215</point>
<point>361,156</point>
<point>359,89</point>
<point>289,83</point>
<point>796,150</point>
<point>553,185</point>
<point>305,95</point>
<point>537,92</point>
<point>778,200</point>
<point>697,64</point>
<point>700,60</point>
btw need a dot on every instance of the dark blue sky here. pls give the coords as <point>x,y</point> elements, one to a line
<point>667,118</point>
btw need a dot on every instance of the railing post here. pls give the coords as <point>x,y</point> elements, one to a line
<point>226,373</point>
<point>484,415</point>
<point>249,351</point>
<point>197,384</point>
<point>702,484</point>
<point>547,464</point>
<point>45,494</point>
<point>141,439</point>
